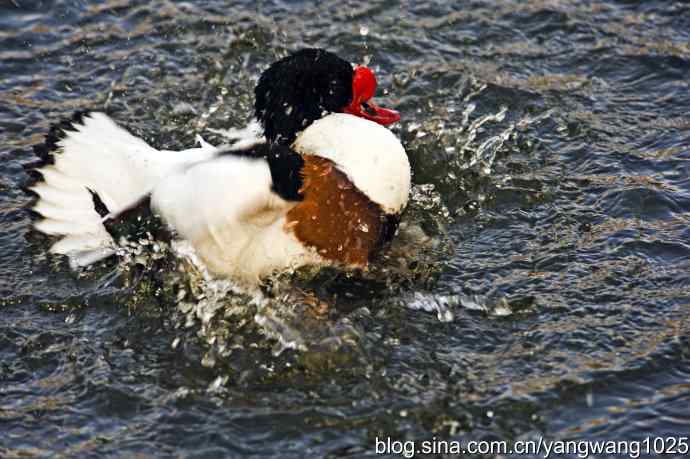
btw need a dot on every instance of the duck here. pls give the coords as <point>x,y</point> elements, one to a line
<point>317,178</point>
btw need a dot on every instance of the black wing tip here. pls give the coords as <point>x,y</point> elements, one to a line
<point>33,172</point>
<point>98,204</point>
<point>44,152</point>
<point>44,156</point>
<point>34,216</point>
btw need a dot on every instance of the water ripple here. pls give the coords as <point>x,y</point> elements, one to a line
<point>539,283</point>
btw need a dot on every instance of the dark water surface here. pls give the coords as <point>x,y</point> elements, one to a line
<point>556,134</point>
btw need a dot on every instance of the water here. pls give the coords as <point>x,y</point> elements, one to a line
<point>540,286</point>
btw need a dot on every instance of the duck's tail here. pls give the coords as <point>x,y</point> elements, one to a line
<point>87,168</point>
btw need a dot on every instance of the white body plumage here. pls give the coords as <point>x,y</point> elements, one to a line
<point>222,204</point>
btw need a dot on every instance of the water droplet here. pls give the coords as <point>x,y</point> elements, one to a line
<point>445,315</point>
<point>209,361</point>
<point>217,383</point>
<point>413,127</point>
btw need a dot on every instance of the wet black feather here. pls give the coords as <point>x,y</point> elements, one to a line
<point>44,153</point>
<point>98,204</point>
<point>46,150</point>
<point>137,222</point>
<point>388,230</point>
<point>284,163</point>
<point>300,89</point>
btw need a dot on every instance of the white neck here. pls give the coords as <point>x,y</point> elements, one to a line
<point>370,155</point>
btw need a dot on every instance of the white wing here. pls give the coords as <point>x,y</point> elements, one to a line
<point>226,209</point>
<point>94,153</point>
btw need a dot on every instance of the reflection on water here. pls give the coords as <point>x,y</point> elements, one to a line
<point>538,286</point>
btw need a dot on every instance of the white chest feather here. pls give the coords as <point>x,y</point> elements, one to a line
<point>370,155</point>
<point>226,209</point>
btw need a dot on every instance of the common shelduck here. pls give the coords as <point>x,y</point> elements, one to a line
<point>321,182</point>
